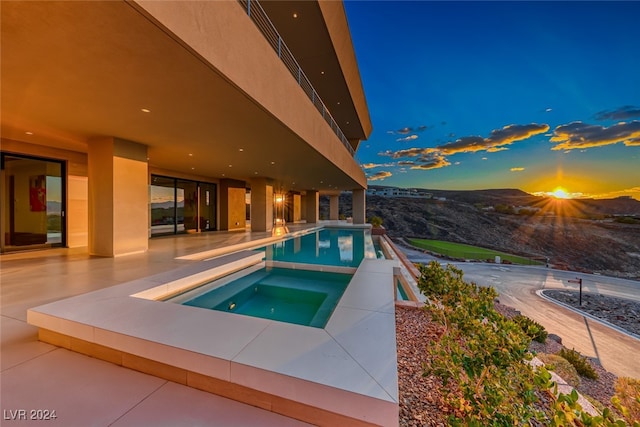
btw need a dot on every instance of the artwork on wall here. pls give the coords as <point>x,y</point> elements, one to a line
<point>37,193</point>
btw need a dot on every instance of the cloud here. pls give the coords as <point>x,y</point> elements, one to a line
<point>518,169</point>
<point>485,158</point>
<point>498,139</point>
<point>496,149</point>
<point>431,161</point>
<point>376,165</point>
<point>378,176</point>
<point>406,163</point>
<point>407,130</point>
<point>633,142</point>
<point>579,135</point>
<point>622,113</point>
<point>408,138</point>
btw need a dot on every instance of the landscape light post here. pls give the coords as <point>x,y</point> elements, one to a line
<point>579,281</point>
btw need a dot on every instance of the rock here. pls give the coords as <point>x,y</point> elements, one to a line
<point>556,338</point>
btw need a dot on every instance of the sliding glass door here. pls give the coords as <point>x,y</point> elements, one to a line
<point>33,206</point>
<point>181,206</point>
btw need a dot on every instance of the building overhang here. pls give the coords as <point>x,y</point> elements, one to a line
<point>74,72</point>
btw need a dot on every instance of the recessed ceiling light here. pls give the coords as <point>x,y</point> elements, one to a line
<point>273,163</point>
<point>145,110</point>
<point>338,102</point>
<point>240,149</point>
<point>29,133</point>
<point>321,72</point>
<point>193,168</point>
<point>321,182</point>
<point>255,173</point>
<point>222,174</point>
<point>295,15</point>
<point>347,122</point>
<point>190,154</point>
<point>230,166</point>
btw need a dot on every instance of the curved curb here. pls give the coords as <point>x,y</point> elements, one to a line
<point>540,293</point>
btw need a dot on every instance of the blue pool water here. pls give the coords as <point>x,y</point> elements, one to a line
<point>294,296</point>
<point>328,246</point>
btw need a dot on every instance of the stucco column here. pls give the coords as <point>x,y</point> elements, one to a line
<point>359,206</point>
<point>312,207</point>
<point>118,179</point>
<point>233,205</point>
<point>334,207</point>
<point>261,205</point>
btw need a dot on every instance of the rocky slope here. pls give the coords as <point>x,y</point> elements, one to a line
<point>578,235</point>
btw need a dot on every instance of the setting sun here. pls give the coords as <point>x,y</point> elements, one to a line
<point>560,193</point>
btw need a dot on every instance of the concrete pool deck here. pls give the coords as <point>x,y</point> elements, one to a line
<point>346,371</point>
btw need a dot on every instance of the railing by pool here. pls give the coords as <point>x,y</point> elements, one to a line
<point>264,24</point>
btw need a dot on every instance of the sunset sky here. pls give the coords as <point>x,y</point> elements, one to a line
<point>476,95</point>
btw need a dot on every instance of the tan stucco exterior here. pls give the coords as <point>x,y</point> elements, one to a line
<point>194,86</point>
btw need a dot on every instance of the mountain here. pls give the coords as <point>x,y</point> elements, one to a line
<point>581,235</point>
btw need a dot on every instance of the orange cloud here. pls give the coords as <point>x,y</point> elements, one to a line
<point>518,169</point>
<point>376,165</point>
<point>431,161</point>
<point>434,157</point>
<point>379,176</point>
<point>579,135</point>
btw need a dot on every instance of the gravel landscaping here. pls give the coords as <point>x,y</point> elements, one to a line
<point>623,313</point>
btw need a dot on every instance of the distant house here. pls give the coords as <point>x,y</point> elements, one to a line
<point>398,192</point>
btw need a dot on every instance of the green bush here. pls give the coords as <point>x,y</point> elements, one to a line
<point>533,329</point>
<point>376,221</point>
<point>580,363</point>
<point>560,366</point>
<point>482,357</point>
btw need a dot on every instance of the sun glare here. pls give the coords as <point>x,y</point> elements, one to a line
<point>560,193</point>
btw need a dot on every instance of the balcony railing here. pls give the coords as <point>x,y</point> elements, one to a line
<point>264,24</point>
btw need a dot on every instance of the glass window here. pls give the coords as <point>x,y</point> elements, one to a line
<point>181,206</point>
<point>32,203</point>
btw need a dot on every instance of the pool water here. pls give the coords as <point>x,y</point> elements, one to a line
<point>328,246</point>
<point>294,296</point>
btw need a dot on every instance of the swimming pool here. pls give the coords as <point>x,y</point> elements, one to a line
<point>328,246</point>
<point>294,296</point>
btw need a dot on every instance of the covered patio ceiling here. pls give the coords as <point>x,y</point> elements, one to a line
<point>114,72</point>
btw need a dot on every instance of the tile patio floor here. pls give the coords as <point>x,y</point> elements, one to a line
<point>88,392</point>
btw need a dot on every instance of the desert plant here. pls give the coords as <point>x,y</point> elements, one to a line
<point>627,399</point>
<point>560,366</point>
<point>533,329</point>
<point>579,362</point>
<point>481,358</point>
<point>376,221</point>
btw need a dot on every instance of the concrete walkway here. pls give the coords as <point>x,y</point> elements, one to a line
<point>88,392</point>
<point>617,352</point>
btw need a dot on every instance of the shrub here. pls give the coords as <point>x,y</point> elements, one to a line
<point>376,221</point>
<point>481,358</point>
<point>560,366</point>
<point>580,363</point>
<point>627,398</point>
<point>533,329</point>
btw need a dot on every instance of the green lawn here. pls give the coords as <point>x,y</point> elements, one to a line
<point>458,250</point>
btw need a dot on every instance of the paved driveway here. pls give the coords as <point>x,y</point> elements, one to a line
<point>618,353</point>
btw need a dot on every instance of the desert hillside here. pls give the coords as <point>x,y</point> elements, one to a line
<point>582,235</point>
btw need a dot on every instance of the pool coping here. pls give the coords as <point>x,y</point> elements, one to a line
<point>348,369</point>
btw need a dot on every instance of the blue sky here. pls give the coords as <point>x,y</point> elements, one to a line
<point>530,95</point>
